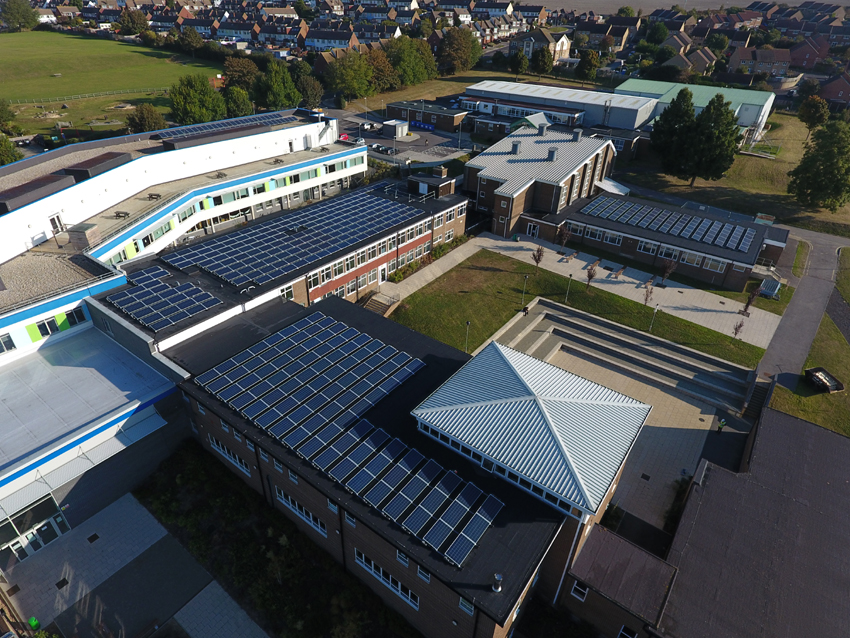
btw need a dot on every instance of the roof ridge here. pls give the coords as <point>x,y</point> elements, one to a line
<point>475,404</point>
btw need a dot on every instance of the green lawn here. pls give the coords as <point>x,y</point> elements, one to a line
<point>486,290</point>
<point>842,280</point>
<point>800,259</point>
<point>28,62</point>
<point>776,306</point>
<point>831,351</point>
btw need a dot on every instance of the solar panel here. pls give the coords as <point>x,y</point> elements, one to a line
<point>724,234</point>
<point>691,227</point>
<point>336,225</point>
<point>703,227</point>
<point>736,236</point>
<point>747,240</point>
<point>393,479</point>
<point>412,489</point>
<point>655,212</point>
<point>712,232</point>
<point>263,119</point>
<point>429,505</point>
<point>148,274</point>
<point>668,224</point>
<point>683,221</point>
<point>452,516</point>
<point>474,530</point>
<point>662,216</point>
<point>640,215</point>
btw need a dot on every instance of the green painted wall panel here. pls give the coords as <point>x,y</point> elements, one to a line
<point>130,249</point>
<point>173,223</point>
<point>62,321</point>
<point>32,331</point>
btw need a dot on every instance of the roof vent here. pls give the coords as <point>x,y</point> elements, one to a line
<point>497,582</point>
<point>577,135</point>
<point>541,129</point>
<point>553,154</point>
<point>515,147</point>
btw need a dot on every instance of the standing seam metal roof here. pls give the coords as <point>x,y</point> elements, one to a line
<point>558,430</point>
<point>545,94</point>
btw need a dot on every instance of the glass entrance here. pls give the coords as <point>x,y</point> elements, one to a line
<point>29,530</point>
<point>533,229</point>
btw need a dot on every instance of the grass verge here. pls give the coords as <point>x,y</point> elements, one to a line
<point>842,279</point>
<point>831,351</point>
<point>286,583</point>
<point>801,258</point>
<point>486,290</point>
<point>776,306</point>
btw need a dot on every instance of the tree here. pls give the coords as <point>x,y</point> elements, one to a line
<point>808,88</point>
<point>311,91</point>
<point>7,115</point>
<point>717,42</point>
<point>647,293</point>
<point>590,273</point>
<point>672,130</point>
<point>537,257</point>
<point>384,76</point>
<point>715,140</point>
<point>736,329</point>
<point>304,12</point>
<point>298,69</point>
<point>563,236</point>
<point>413,64</point>
<point>519,64</point>
<point>133,22</point>
<point>240,72</point>
<point>349,76</point>
<point>626,12</point>
<point>665,53</point>
<point>145,118</point>
<point>8,151</point>
<point>586,68</point>
<point>755,292</point>
<point>237,101</point>
<point>499,60</point>
<point>429,64</point>
<point>194,101</point>
<point>668,266</point>
<point>190,40</point>
<point>459,51</point>
<point>542,61</point>
<point>822,178</point>
<point>426,28</point>
<point>813,112</point>
<point>580,41</point>
<point>150,38</point>
<point>274,89</point>
<point>606,43</point>
<point>657,33</point>
<point>18,15</point>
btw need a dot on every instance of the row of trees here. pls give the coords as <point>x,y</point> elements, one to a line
<point>8,151</point>
<point>18,15</point>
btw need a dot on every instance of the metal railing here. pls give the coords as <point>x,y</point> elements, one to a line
<point>54,293</point>
<point>83,96</point>
<point>143,216</point>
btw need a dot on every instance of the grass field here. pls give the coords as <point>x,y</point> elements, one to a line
<point>486,290</point>
<point>753,184</point>
<point>801,258</point>
<point>776,306</point>
<point>28,62</point>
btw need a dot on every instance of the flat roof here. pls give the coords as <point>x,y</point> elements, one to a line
<point>65,386</point>
<point>428,107</point>
<point>667,91</point>
<point>543,93</point>
<point>522,531</point>
<point>624,573</point>
<point>764,552</point>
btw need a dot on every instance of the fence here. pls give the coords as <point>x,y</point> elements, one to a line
<point>82,96</point>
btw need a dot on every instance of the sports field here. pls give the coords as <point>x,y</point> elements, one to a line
<point>30,61</point>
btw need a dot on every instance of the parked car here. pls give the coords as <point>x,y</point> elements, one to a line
<point>391,151</point>
<point>343,137</point>
<point>376,147</point>
<point>383,149</point>
<point>368,126</point>
<point>359,140</point>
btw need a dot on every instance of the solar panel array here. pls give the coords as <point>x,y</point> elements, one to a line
<point>308,385</point>
<point>673,223</point>
<point>280,246</point>
<point>157,305</point>
<point>263,119</point>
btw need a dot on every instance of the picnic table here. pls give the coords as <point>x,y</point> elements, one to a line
<point>154,196</point>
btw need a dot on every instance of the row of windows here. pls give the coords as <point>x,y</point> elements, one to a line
<point>386,578</point>
<point>579,591</point>
<point>48,326</point>
<point>6,344</point>
<point>302,512</point>
<point>229,454</point>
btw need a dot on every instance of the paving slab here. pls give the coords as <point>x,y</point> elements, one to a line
<point>214,614</point>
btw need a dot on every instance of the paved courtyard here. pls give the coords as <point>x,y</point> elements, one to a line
<point>214,614</point>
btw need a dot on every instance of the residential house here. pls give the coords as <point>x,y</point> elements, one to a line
<point>766,9</point>
<point>772,61</point>
<point>320,40</point>
<point>533,14</point>
<point>245,31</point>
<point>663,15</point>
<point>809,52</point>
<point>331,24</point>
<point>277,13</point>
<point>487,10</point>
<point>680,62</point>
<point>377,12</point>
<point>679,42</point>
<point>111,16</point>
<point>810,9</point>
<point>483,30</point>
<point>67,12</point>
<point>461,16</point>
<point>283,36</point>
<point>702,60</point>
<point>207,29</point>
<point>836,91</point>
<point>335,7</point>
<point>374,33</point>
<point>736,38</point>
<point>406,17</point>
<point>621,21</point>
<point>403,5</point>
<point>46,16</point>
<point>838,36</point>
<point>164,22</point>
<point>789,28</point>
<point>788,14</point>
<point>558,44</point>
<point>686,24</point>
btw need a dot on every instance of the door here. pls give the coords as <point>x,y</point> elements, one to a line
<point>47,532</point>
<point>383,275</point>
<point>56,224</point>
<point>533,229</point>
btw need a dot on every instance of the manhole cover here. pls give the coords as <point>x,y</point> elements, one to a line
<point>62,583</point>
<point>92,538</point>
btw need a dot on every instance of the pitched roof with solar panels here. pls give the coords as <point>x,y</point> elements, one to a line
<point>728,238</point>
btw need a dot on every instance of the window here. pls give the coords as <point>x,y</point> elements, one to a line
<point>7,345</point>
<point>579,591</point>
<point>450,216</point>
<point>339,268</point>
<point>467,606</point>
<point>691,259</point>
<point>438,239</point>
<point>349,263</point>
<point>613,238</point>
<point>352,286</point>
<point>450,234</point>
<point>229,454</point>
<point>438,220</point>
<point>313,280</point>
<point>402,558</point>
<point>594,233</point>
<point>286,292</point>
<point>293,477</point>
<point>372,252</point>
<point>350,520</point>
<point>423,574</point>
<point>373,275</point>
<point>75,316</point>
<point>714,265</point>
<point>625,632</point>
<point>361,257</point>
<point>361,281</point>
<point>194,427</point>
<point>278,465</point>
<point>47,327</point>
<point>665,252</point>
<point>482,194</point>
<point>419,251</point>
<point>301,512</point>
<point>461,210</point>
<point>264,455</point>
<point>332,506</point>
<point>327,274</point>
<point>237,436</point>
<point>385,577</point>
<point>392,265</point>
<point>249,445</point>
<point>647,247</point>
<point>735,267</point>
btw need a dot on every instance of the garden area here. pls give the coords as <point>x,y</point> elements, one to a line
<point>287,584</point>
<point>436,252</point>
<point>487,290</point>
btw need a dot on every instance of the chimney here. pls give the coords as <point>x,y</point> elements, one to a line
<point>577,135</point>
<point>553,154</point>
<point>515,147</point>
<point>541,129</point>
<point>497,583</point>
<point>440,171</point>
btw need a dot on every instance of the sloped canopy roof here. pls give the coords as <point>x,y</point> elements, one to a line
<point>562,432</point>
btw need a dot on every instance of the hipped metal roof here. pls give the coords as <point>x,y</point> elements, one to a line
<point>556,429</point>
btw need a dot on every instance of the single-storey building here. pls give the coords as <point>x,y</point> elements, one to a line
<point>432,115</point>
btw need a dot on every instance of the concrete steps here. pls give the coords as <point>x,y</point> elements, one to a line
<point>377,305</point>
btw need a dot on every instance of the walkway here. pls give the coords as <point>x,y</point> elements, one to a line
<point>214,614</point>
<point>691,304</point>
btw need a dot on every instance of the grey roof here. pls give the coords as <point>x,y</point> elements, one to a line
<point>562,432</point>
<point>65,386</point>
<point>545,94</point>
<point>624,573</point>
<point>764,553</point>
<point>532,163</point>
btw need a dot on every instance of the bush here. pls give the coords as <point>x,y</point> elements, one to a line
<point>341,102</point>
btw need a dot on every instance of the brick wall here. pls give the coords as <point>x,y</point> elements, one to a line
<point>608,617</point>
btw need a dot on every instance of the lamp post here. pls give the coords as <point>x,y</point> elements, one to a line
<point>654,312</point>
<point>524,283</point>
<point>466,347</point>
<point>569,283</point>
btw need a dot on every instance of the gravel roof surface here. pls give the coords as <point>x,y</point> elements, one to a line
<point>33,274</point>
